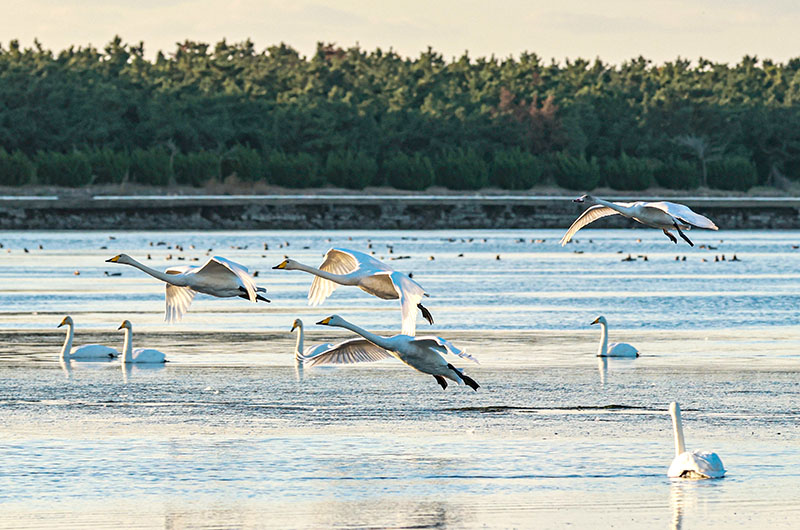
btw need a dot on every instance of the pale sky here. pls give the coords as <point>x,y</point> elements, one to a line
<point>614,30</point>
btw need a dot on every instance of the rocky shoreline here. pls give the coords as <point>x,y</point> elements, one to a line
<point>329,212</point>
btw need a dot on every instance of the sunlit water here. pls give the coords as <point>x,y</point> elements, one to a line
<point>228,435</point>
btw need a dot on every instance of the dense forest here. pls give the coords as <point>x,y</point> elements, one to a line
<point>352,118</point>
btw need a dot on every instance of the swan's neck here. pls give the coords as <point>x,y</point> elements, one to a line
<point>603,350</point>
<point>67,348</point>
<point>341,279</point>
<point>298,349</point>
<point>174,279</point>
<point>677,428</point>
<point>373,338</point>
<point>127,346</point>
<point>624,210</point>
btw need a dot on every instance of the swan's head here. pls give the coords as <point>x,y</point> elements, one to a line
<point>120,258</point>
<point>600,320</point>
<point>584,198</point>
<point>297,324</point>
<point>333,320</point>
<point>66,322</point>
<point>126,324</point>
<point>288,264</point>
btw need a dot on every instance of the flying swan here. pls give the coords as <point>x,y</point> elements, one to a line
<point>662,215</point>
<point>350,267</point>
<point>424,354</point>
<point>89,352</point>
<point>615,349</point>
<point>695,464</point>
<point>218,277</point>
<point>139,355</point>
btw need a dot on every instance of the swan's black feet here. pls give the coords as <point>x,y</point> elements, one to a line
<point>680,233</point>
<point>442,381</point>
<point>426,313</point>
<point>470,382</point>
<point>671,237</point>
<point>258,296</point>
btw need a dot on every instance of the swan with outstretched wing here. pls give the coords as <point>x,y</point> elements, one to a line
<point>218,276</point>
<point>350,267</point>
<point>663,215</point>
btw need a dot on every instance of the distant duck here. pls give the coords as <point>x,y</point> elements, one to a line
<point>695,464</point>
<point>89,352</point>
<point>139,355</point>
<point>615,349</point>
<point>663,215</point>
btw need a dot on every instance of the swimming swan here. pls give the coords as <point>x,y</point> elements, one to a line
<point>615,349</point>
<point>139,355</point>
<point>424,354</point>
<point>218,277</point>
<point>695,464</point>
<point>663,215</point>
<point>350,267</point>
<point>89,352</point>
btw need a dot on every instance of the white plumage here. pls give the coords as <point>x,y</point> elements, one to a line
<point>88,352</point>
<point>139,355</point>
<point>694,464</point>
<point>424,354</point>
<point>615,349</point>
<point>663,215</point>
<point>350,267</point>
<point>218,277</point>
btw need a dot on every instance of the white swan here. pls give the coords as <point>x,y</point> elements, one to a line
<point>695,464</point>
<point>218,277</point>
<point>424,354</point>
<point>662,215</point>
<point>89,352</point>
<point>139,355</point>
<point>350,267</point>
<point>615,349</point>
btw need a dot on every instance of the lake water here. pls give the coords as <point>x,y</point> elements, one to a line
<point>227,435</point>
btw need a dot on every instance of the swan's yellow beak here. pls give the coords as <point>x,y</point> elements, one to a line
<point>63,322</point>
<point>113,260</point>
<point>294,326</point>
<point>324,321</point>
<point>281,265</point>
<point>596,320</point>
<point>121,326</point>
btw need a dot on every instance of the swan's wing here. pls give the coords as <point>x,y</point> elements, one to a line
<point>683,213</point>
<point>349,352</point>
<point>337,261</point>
<point>315,349</point>
<point>410,294</point>
<point>225,270</point>
<point>180,269</point>
<point>590,215</point>
<point>444,346</point>
<point>622,349</point>
<point>178,301</point>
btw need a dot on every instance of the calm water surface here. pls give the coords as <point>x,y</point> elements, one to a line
<point>229,435</point>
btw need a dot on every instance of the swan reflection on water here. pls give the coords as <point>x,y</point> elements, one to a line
<point>129,369</point>
<point>617,363</point>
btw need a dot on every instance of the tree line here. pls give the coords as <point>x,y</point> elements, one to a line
<point>354,118</point>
